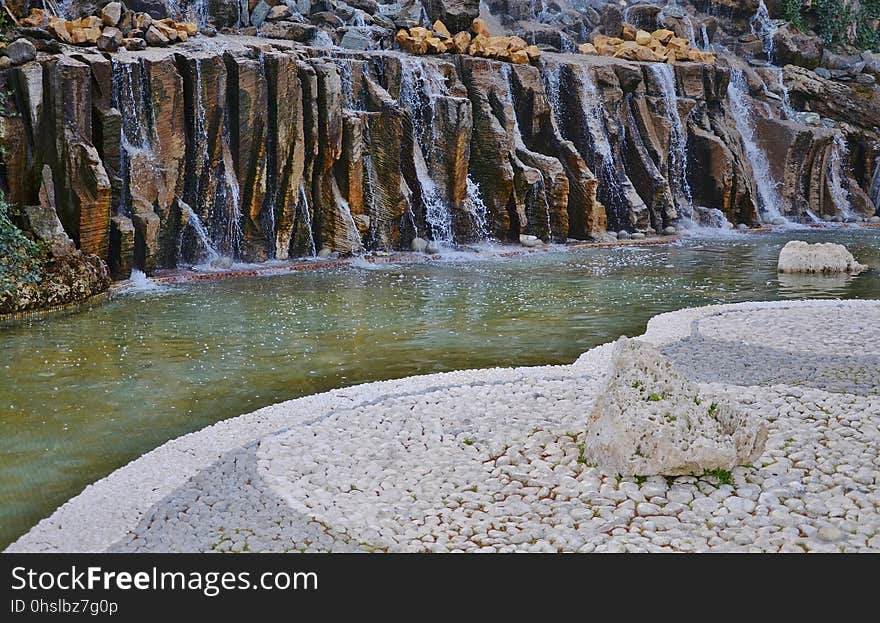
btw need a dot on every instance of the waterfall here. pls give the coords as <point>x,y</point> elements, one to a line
<point>307,218</point>
<point>420,85</point>
<point>762,26</point>
<point>704,34</point>
<point>601,146</point>
<point>270,197</point>
<point>768,195</point>
<point>552,75</point>
<point>479,210</point>
<point>837,175</point>
<point>677,138</point>
<point>133,135</point>
<point>226,219</point>
<point>193,221</point>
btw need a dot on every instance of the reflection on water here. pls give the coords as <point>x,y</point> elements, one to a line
<point>84,394</point>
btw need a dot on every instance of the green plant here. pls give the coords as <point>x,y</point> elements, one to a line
<point>468,442</point>
<point>713,408</point>
<point>791,11</point>
<point>21,259</point>
<point>722,476</point>
<point>654,397</point>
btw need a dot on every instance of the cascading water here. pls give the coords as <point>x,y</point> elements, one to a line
<point>133,135</point>
<point>875,186</point>
<point>421,84</point>
<point>321,40</point>
<point>552,75</point>
<point>837,175</point>
<point>270,200</point>
<point>303,207</point>
<point>768,195</point>
<point>479,210</point>
<point>665,78</point>
<point>704,35</point>
<point>762,26</point>
<point>600,157</point>
<point>201,233</point>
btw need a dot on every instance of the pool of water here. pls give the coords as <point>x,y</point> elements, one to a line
<point>84,394</point>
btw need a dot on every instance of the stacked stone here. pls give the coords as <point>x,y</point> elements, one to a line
<point>112,28</point>
<point>660,46</point>
<point>479,42</point>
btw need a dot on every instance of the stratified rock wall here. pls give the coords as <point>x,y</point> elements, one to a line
<point>256,149</point>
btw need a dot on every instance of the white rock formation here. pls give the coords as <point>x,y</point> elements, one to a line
<point>798,256</point>
<point>649,419</point>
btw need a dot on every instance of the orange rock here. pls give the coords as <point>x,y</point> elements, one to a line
<point>587,48</point>
<point>677,43</point>
<point>58,29</point>
<point>662,35</point>
<point>516,43</point>
<point>533,52</point>
<point>615,41</point>
<point>519,57</point>
<point>36,19</point>
<point>629,32</point>
<point>420,33</point>
<point>643,37</point>
<point>479,27</point>
<point>441,31</point>
<point>460,42</point>
<point>90,21</point>
<point>435,45</point>
<point>85,36</point>
<point>190,28</point>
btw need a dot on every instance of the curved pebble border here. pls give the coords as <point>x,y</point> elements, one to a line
<point>489,460</point>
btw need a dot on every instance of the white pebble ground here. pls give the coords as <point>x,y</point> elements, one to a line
<point>491,461</point>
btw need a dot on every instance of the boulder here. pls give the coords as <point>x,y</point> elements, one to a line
<point>21,51</point>
<point>798,256</point>
<point>111,13</point>
<point>792,47</point>
<point>612,21</point>
<point>110,40</point>
<point>155,38</point>
<point>457,15</point>
<point>649,419</point>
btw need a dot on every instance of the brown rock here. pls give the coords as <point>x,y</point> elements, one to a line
<point>142,21</point>
<point>629,32</point>
<point>516,43</point>
<point>533,51</point>
<point>38,18</point>
<point>192,29</point>
<point>85,36</point>
<point>111,13</point>
<point>461,41</point>
<point>58,29</point>
<point>156,38</point>
<point>519,56</point>
<point>663,35</point>
<point>440,30</point>
<point>134,44</point>
<point>110,40</point>
<point>643,37</point>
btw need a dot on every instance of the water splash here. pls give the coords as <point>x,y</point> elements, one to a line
<point>704,35</point>
<point>678,157</point>
<point>768,195</point>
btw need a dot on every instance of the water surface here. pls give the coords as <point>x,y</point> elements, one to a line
<point>84,394</point>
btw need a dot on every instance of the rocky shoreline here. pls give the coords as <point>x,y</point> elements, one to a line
<point>489,460</point>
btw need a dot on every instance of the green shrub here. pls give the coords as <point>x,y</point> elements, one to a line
<point>21,259</point>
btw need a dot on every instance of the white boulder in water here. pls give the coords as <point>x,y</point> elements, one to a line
<point>530,241</point>
<point>649,419</point>
<point>798,256</point>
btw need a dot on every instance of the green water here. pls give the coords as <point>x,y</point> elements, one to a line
<point>84,394</point>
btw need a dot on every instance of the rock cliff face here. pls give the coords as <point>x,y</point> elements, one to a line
<point>256,148</point>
